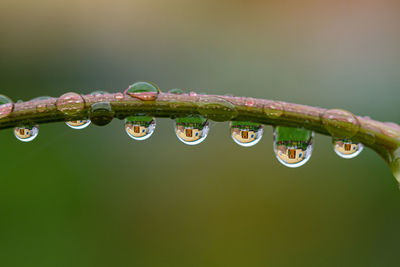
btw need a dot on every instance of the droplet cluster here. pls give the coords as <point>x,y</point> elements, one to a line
<point>292,146</point>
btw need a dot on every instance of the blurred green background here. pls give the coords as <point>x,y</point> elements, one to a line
<point>97,198</point>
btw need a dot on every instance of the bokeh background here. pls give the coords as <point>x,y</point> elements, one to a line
<point>97,198</point>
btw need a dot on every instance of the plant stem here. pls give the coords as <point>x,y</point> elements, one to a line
<point>382,137</point>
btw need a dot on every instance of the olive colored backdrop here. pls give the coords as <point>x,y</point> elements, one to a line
<point>95,197</point>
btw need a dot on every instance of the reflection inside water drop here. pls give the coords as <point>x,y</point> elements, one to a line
<point>191,130</point>
<point>347,149</point>
<point>140,127</point>
<point>246,133</point>
<point>79,124</point>
<point>293,146</point>
<point>26,133</point>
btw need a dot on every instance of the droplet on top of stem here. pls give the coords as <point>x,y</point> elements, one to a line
<point>140,127</point>
<point>98,92</point>
<point>145,91</point>
<point>246,133</point>
<point>176,91</point>
<point>191,130</point>
<point>100,95</point>
<point>119,96</point>
<point>293,146</point>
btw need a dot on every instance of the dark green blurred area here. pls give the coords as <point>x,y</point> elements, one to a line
<point>97,198</point>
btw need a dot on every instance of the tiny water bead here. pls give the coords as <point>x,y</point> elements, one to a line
<point>43,98</point>
<point>140,127</point>
<point>246,133</point>
<point>145,91</point>
<point>78,124</point>
<point>119,96</point>
<point>176,91</point>
<point>346,148</point>
<point>97,93</point>
<point>293,146</point>
<point>100,95</point>
<point>26,133</point>
<point>191,130</point>
<point>6,106</point>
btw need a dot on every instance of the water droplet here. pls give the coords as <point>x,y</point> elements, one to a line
<point>78,124</point>
<point>100,95</point>
<point>340,123</point>
<point>246,133</point>
<point>26,133</point>
<point>143,90</point>
<point>347,149</point>
<point>216,109</point>
<point>176,91</point>
<point>192,94</point>
<point>44,106</point>
<point>273,109</point>
<point>394,163</point>
<point>96,93</point>
<point>293,146</point>
<point>140,127</point>
<point>119,96</point>
<point>101,113</point>
<point>70,104</point>
<point>42,98</point>
<point>6,106</point>
<point>4,100</point>
<point>191,130</point>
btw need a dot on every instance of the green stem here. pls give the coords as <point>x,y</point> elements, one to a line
<point>382,137</point>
